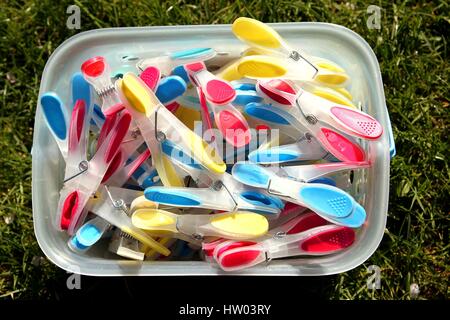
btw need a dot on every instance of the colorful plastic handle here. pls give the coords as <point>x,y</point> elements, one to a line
<point>244,97</point>
<point>321,240</point>
<point>252,200</point>
<point>170,88</point>
<point>325,200</point>
<point>88,234</point>
<point>232,125</point>
<point>81,90</point>
<point>265,67</point>
<point>235,225</point>
<point>151,77</point>
<point>340,146</point>
<point>216,90</point>
<point>56,118</point>
<point>343,118</point>
<point>179,197</point>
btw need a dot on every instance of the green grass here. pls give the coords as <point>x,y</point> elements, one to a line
<point>412,48</point>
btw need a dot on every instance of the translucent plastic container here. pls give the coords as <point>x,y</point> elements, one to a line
<point>370,186</point>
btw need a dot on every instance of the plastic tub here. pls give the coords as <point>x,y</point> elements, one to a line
<point>370,187</point>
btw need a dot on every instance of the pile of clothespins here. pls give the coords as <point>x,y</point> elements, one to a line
<point>240,166</point>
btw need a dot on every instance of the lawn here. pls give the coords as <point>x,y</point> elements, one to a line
<point>412,48</point>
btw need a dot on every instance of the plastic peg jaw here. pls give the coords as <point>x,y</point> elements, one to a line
<point>97,72</point>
